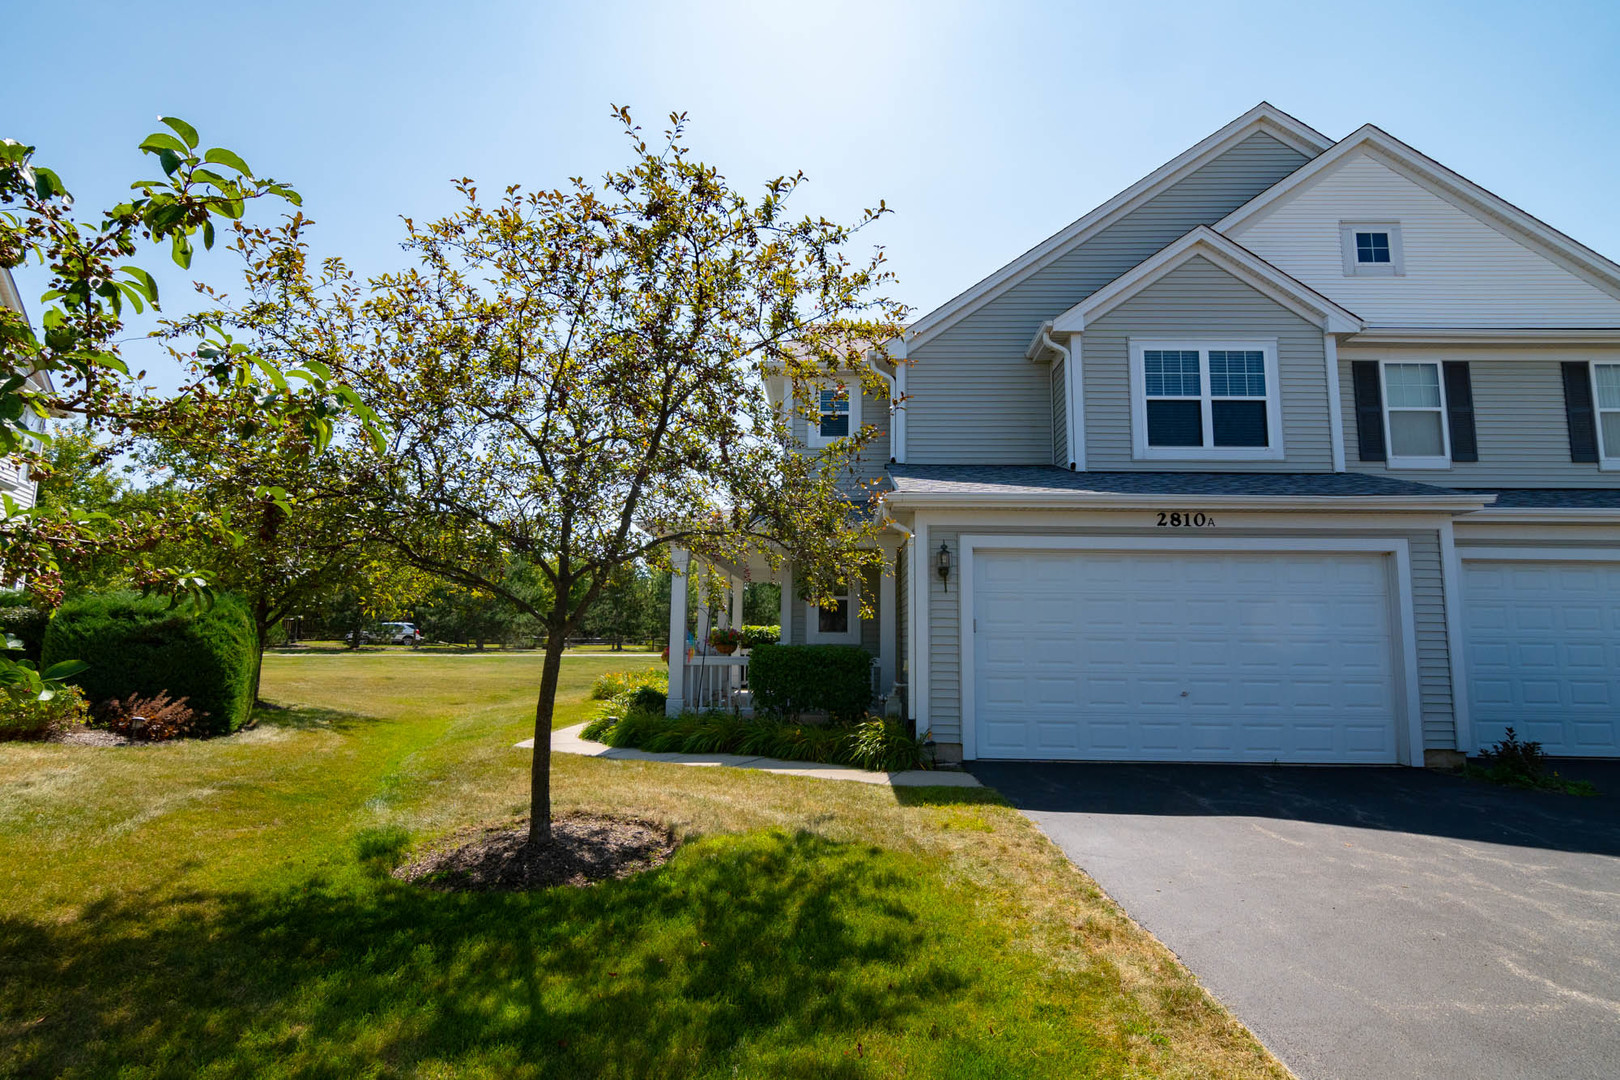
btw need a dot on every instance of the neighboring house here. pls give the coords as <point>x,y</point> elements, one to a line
<point>1296,450</point>
<point>14,479</point>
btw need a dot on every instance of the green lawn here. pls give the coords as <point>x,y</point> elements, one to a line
<point>222,909</point>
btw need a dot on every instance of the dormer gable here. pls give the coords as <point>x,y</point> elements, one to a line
<point>1405,242</point>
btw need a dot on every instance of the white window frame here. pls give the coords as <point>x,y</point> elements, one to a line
<point>1608,456</point>
<point>1390,458</point>
<point>1353,267</point>
<point>813,436</point>
<point>1141,451</point>
<point>814,635</point>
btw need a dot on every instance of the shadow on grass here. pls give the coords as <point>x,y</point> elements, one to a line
<point>769,950</point>
<point>948,796</point>
<point>309,718</point>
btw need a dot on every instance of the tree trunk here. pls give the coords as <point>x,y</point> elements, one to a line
<point>540,770</point>
<point>261,634</point>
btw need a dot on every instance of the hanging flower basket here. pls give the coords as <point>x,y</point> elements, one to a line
<point>725,642</point>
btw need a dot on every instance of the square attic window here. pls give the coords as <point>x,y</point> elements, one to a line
<point>1372,247</point>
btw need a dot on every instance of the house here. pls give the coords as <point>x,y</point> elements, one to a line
<point>1298,450</point>
<point>14,479</point>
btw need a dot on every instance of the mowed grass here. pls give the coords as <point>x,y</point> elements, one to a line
<point>222,909</point>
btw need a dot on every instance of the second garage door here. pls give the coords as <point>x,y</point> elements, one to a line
<point>1544,653</point>
<point>1162,656</point>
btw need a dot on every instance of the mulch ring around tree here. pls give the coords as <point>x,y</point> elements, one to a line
<point>584,849</point>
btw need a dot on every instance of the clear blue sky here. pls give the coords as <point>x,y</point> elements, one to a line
<point>987,127</point>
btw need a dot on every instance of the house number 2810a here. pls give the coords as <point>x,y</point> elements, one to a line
<point>1182,519</point>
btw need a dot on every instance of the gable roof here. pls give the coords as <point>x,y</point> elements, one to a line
<point>1228,255</point>
<point>1454,188</point>
<point>1263,118</point>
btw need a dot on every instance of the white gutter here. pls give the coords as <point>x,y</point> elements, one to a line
<point>1091,500</point>
<point>1549,515</point>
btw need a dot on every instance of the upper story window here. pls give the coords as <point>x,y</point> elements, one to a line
<point>1415,416</point>
<point>1372,248</point>
<point>838,413</point>
<point>1205,400</point>
<point>1606,398</point>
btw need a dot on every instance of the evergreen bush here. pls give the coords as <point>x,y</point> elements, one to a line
<point>23,619</point>
<point>788,680</point>
<point>142,646</point>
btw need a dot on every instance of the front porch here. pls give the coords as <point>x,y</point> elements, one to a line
<point>708,595</point>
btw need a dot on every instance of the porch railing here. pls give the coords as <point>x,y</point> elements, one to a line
<point>716,682</point>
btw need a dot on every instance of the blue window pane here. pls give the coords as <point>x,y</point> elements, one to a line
<point>1234,373</point>
<point>1170,373</point>
<point>834,412</point>
<point>1372,247</point>
<point>1175,423</point>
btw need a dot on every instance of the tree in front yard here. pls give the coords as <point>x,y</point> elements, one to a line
<point>574,378</point>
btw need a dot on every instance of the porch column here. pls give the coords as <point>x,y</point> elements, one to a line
<point>679,559</point>
<point>786,616</point>
<point>886,620</point>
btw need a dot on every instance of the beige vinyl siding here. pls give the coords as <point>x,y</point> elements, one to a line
<point>1459,270</point>
<point>1060,412</point>
<point>974,398</point>
<point>1428,598</point>
<point>1519,418</point>
<point>1200,300</point>
<point>14,481</point>
<point>797,616</point>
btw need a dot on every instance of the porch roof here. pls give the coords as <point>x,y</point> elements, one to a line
<point>1049,485</point>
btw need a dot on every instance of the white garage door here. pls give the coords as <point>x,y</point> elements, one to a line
<point>1544,653</point>
<point>1183,657</point>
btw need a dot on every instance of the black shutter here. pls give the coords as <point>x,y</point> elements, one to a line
<point>1578,410</point>
<point>1369,409</point>
<point>1460,411</point>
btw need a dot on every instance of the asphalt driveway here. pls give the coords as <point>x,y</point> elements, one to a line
<point>1365,923</point>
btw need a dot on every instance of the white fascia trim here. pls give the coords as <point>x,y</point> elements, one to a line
<point>1459,190</point>
<point>1409,749</point>
<point>1330,355</point>
<point>1078,500</point>
<point>1264,117</point>
<point>1545,515</point>
<point>1231,257</point>
<point>1469,335</point>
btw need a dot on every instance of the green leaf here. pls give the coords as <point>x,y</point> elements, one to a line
<point>146,282</point>
<point>170,161</point>
<point>47,183</point>
<point>187,132</point>
<point>208,235</point>
<point>221,156</point>
<point>64,669</point>
<point>160,141</point>
<point>271,372</point>
<point>181,250</point>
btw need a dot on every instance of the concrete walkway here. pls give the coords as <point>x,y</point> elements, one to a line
<point>567,741</point>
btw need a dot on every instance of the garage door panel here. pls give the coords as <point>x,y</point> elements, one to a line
<point>1171,656</point>
<point>1543,652</point>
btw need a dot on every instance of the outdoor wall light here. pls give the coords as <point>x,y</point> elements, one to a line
<point>943,561</point>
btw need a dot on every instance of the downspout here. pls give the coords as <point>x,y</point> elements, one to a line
<point>1068,383</point>
<point>911,607</point>
<point>897,393</point>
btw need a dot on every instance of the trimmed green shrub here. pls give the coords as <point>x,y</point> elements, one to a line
<point>755,636</point>
<point>788,680</point>
<point>22,618</point>
<point>143,647</point>
<point>878,745</point>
